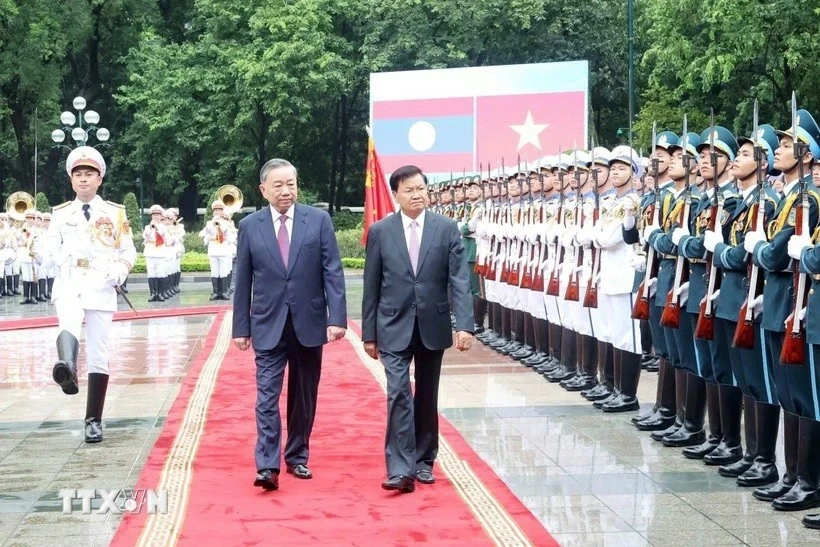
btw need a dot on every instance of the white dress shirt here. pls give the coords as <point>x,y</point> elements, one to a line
<point>405,221</point>
<point>288,223</point>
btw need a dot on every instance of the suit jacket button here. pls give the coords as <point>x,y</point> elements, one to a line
<point>416,283</point>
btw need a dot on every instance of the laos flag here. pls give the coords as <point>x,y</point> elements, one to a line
<point>455,120</point>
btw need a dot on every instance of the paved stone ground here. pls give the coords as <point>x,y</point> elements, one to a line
<point>591,478</point>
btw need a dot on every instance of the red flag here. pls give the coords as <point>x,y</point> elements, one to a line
<point>378,203</point>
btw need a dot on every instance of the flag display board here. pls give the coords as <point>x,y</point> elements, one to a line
<point>451,120</point>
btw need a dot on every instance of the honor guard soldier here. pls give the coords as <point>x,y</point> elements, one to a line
<point>178,230</point>
<point>85,242</point>
<point>769,251</point>
<point>8,253</point>
<point>739,287</point>
<point>218,234</point>
<point>28,242</point>
<point>807,250</point>
<point>672,207</point>
<point>715,206</point>
<point>474,208</point>
<point>153,237</point>
<point>433,193</point>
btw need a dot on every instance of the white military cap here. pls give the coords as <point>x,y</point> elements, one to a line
<point>46,216</point>
<point>156,209</point>
<point>172,211</point>
<point>85,156</point>
<point>31,213</point>
<point>627,155</point>
<point>217,204</point>
<point>602,155</point>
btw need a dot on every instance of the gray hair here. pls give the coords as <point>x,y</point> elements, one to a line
<point>270,165</point>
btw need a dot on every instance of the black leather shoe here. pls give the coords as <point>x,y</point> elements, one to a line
<point>724,455</point>
<point>300,471</point>
<point>761,473</point>
<point>771,493</point>
<point>623,403</point>
<point>402,483</point>
<point>812,521</point>
<point>657,423</point>
<point>654,366</point>
<point>425,476</point>
<point>267,479</point>
<point>803,495</point>
<point>738,468</point>
<point>659,434</point>
<point>581,383</point>
<point>702,450</point>
<point>93,431</point>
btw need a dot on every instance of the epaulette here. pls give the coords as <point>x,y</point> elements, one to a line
<point>60,206</point>
<point>118,205</point>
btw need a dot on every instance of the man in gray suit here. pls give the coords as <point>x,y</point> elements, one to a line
<point>413,257</point>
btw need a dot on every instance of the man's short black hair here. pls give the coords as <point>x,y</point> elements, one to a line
<point>404,173</point>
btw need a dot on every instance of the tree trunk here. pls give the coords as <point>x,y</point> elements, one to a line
<point>334,157</point>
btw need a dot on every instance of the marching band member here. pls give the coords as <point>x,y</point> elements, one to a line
<point>154,236</point>
<point>219,234</point>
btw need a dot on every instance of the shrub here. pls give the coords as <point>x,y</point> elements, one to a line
<point>191,262</point>
<point>132,211</point>
<point>194,243</point>
<point>353,263</point>
<point>346,220</point>
<point>350,243</point>
<point>138,243</point>
<point>41,203</point>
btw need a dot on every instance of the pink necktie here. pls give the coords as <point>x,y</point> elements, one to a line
<point>282,238</point>
<point>414,246</point>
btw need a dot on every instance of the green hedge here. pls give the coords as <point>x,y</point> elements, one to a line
<point>347,220</point>
<point>198,262</point>
<point>350,243</point>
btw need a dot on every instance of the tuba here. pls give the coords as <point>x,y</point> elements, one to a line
<point>17,204</point>
<point>231,196</point>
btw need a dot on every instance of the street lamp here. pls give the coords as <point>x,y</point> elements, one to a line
<point>79,133</point>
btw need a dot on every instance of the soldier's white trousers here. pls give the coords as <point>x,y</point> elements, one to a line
<point>27,271</point>
<point>153,266</point>
<point>97,329</point>
<point>220,265</point>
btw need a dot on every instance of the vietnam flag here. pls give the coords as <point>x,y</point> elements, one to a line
<point>378,203</point>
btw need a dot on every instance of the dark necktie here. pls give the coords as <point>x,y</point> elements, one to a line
<point>86,211</point>
<point>284,242</point>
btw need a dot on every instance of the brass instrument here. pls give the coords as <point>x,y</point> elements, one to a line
<point>232,197</point>
<point>17,204</point>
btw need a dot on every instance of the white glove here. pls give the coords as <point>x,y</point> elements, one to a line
<point>587,209</point>
<point>651,285</point>
<point>683,293</point>
<point>715,295</point>
<point>584,236</point>
<point>757,305</point>
<point>649,230</point>
<point>558,232</point>
<point>711,240</point>
<point>629,222</point>
<point>118,273</point>
<point>568,236</point>
<point>638,263</point>
<point>802,315</point>
<point>678,234</point>
<point>752,239</point>
<point>798,244</point>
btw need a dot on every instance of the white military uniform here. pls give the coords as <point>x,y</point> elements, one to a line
<point>91,259</point>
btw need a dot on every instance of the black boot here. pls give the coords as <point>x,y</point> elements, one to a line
<point>175,282</point>
<point>65,370</point>
<point>587,379</point>
<point>124,286</point>
<point>8,289</point>
<point>715,431</point>
<point>630,377</point>
<point>50,284</point>
<point>17,284</point>
<point>27,290</point>
<point>97,386</point>
<point>680,377</point>
<point>804,494</point>
<point>692,433</point>
<point>42,290</point>
<point>215,288</point>
<point>812,521</point>
<point>731,407</point>
<point>750,432</point>
<point>228,287</point>
<point>791,450</point>
<point>160,281</point>
<point>764,469</point>
<point>222,285</point>
<point>167,293</point>
<point>652,412</point>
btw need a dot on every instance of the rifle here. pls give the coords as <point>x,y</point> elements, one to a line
<point>517,245</point>
<point>527,278</point>
<point>491,272</point>
<point>705,328</point>
<point>641,308</point>
<point>538,279</point>
<point>572,292</point>
<point>506,244</point>
<point>670,317</point>
<point>794,345</point>
<point>554,285</point>
<point>591,296</point>
<point>744,331</point>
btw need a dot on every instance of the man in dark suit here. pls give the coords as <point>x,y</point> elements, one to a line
<point>289,301</point>
<point>413,257</point>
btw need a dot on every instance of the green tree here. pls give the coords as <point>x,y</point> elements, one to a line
<point>132,211</point>
<point>41,203</point>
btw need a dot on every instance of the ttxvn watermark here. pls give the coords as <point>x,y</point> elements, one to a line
<point>118,500</point>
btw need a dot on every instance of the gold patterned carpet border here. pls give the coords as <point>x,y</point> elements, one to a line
<point>163,529</point>
<point>500,527</point>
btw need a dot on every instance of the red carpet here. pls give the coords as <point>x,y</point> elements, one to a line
<point>343,504</point>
